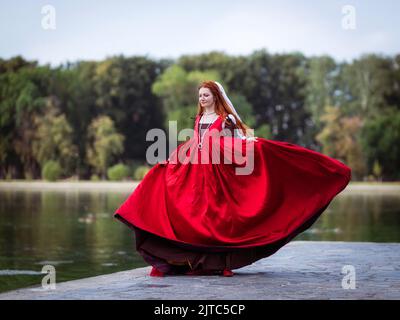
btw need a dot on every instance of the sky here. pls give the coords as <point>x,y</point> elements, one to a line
<point>95,30</point>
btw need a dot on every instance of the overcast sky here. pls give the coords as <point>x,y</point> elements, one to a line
<point>93,30</point>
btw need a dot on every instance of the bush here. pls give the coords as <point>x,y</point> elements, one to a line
<point>118,172</point>
<point>140,172</point>
<point>28,176</point>
<point>263,131</point>
<point>133,165</point>
<point>94,177</point>
<point>51,170</point>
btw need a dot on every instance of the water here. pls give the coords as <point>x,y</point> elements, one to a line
<point>76,233</point>
<point>73,231</point>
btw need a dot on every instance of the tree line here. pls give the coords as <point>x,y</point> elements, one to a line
<point>88,118</point>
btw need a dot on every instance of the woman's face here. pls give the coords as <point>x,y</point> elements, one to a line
<point>206,98</point>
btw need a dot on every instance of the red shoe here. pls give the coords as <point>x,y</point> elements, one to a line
<point>156,273</point>
<point>227,273</point>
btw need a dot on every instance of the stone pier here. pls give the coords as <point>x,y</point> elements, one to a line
<point>300,270</point>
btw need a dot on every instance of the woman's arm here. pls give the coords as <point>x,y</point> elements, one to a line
<point>229,128</point>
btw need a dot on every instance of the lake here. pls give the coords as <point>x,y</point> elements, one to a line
<point>74,230</point>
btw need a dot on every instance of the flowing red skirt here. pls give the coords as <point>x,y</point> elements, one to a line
<point>206,216</point>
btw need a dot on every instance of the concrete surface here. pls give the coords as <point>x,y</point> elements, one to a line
<point>299,270</point>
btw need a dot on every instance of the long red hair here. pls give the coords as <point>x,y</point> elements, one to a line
<point>222,108</point>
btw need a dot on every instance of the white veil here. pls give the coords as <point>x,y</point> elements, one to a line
<point>238,131</point>
<point>221,88</point>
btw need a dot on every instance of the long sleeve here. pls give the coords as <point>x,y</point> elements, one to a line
<point>229,130</point>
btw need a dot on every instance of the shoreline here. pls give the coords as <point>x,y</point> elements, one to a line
<point>81,185</point>
<point>126,186</point>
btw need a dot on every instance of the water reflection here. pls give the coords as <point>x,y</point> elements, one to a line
<point>76,233</point>
<point>373,217</point>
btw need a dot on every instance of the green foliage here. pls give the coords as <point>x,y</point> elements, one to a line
<point>178,91</point>
<point>53,113</point>
<point>340,138</point>
<point>377,170</point>
<point>140,172</point>
<point>122,91</point>
<point>263,131</point>
<point>213,60</point>
<point>54,138</point>
<point>274,86</point>
<point>94,177</point>
<point>104,143</point>
<point>178,88</point>
<point>321,84</point>
<point>380,139</point>
<point>366,83</point>
<point>118,172</point>
<point>51,170</point>
<point>244,108</point>
<point>183,118</point>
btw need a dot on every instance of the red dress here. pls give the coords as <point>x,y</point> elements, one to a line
<point>205,216</point>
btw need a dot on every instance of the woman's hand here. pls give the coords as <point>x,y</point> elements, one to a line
<point>249,139</point>
<point>229,123</point>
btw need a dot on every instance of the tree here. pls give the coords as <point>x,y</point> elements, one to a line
<point>54,139</point>
<point>123,90</point>
<point>380,140</point>
<point>365,86</point>
<point>275,86</point>
<point>104,143</point>
<point>321,75</point>
<point>177,90</point>
<point>340,138</point>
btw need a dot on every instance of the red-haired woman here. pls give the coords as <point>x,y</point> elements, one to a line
<point>210,217</point>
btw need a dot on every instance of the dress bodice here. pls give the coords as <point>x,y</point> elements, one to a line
<point>207,125</point>
<point>218,124</point>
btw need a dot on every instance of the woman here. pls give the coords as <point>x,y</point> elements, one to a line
<point>208,217</point>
